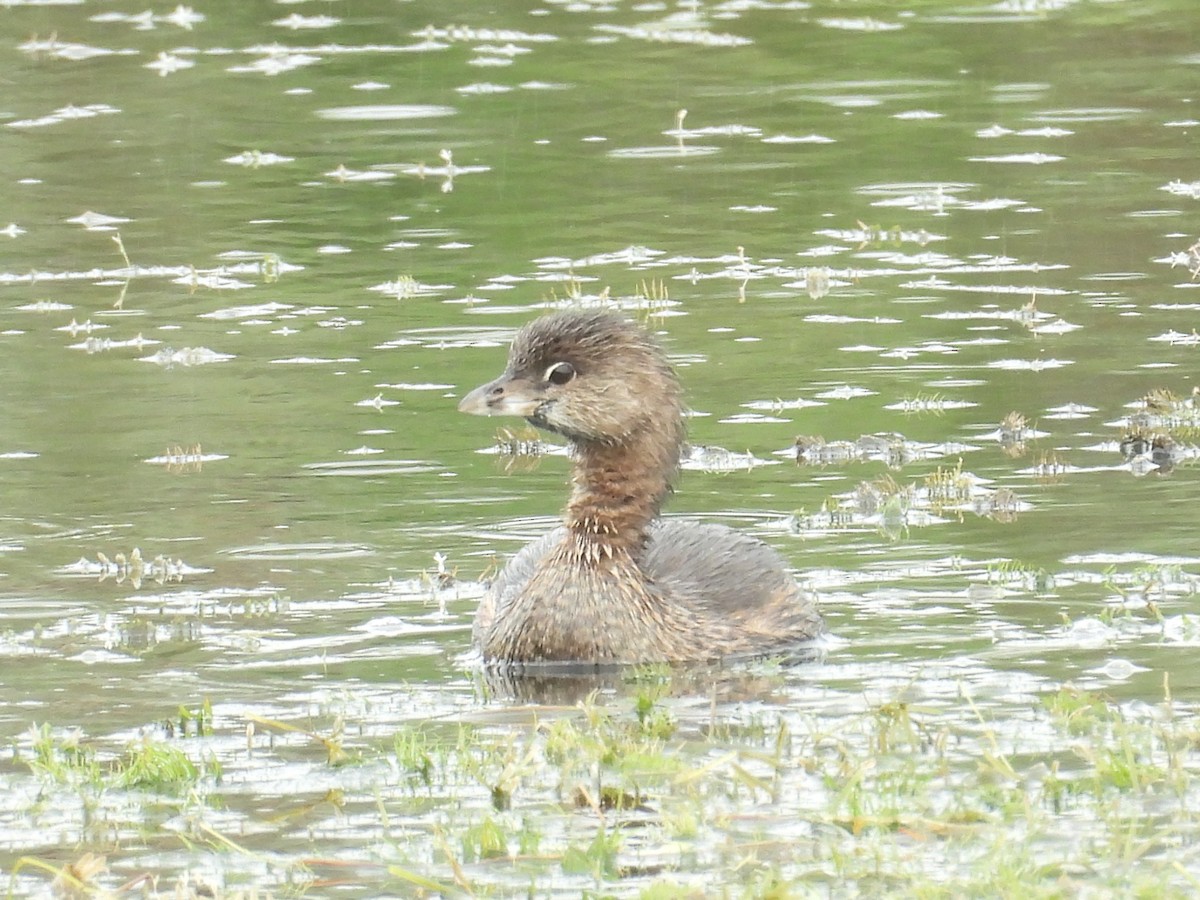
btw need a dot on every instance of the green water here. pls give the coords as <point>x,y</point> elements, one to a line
<point>923,216</point>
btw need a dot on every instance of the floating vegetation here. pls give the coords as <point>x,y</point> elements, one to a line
<point>526,442</point>
<point>70,760</point>
<point>929,403</point>
<point>715,460</point>
<point>611,795</point>
<point>894,450</point>
<point>648,301</point>
<point>1019,576</point>
<point>1014,433</point>
<point>522,449</point>
<point>132,569</point>
<point>180,460</point>
<point>950,488</point>
<point>1162,432</point>
<point>1146,451</point>
<point>1163,410</point>
<point>1049,468</point>
<point>405,287</point>
<point>819,281</point>
<point>892,509</point>
<point>440,578</point>
<point>448,171</point>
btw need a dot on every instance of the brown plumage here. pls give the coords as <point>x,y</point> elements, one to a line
<point>615,583</point>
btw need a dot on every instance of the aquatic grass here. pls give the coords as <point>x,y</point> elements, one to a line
<point>157,766</point>
<point>524,442</point>
<point>665,777</point>
<point>69,759</point>
<point>336,753</point>
<point>892,509</point>
<point>65,760</point>
<point>894,450</point>
<point>598,858</point>
<point>1019,576</point>
<point>415,751</point>
<point>75,879</point>
<point>948,487</point>
<point>1124,754</point>
<point>199,720</point>
<point>934,404</point>
<point>634,793</point>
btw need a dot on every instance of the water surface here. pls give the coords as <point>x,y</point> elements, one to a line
<point>927,271</point>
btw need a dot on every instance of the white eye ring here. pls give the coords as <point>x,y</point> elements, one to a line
<point>560,373</point>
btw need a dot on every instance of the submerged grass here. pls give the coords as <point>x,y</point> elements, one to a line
<point>642,794</point>
<point>67,759</point>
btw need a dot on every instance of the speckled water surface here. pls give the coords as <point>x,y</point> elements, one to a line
<point>928,271</point>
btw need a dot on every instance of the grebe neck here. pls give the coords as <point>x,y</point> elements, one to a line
<point>619,489</point>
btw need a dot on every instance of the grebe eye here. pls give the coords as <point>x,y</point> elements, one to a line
<point>560,373</point>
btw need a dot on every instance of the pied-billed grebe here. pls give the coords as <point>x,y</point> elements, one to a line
<point>615,583</point>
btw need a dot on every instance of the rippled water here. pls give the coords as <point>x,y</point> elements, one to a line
<point>927,271</point>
